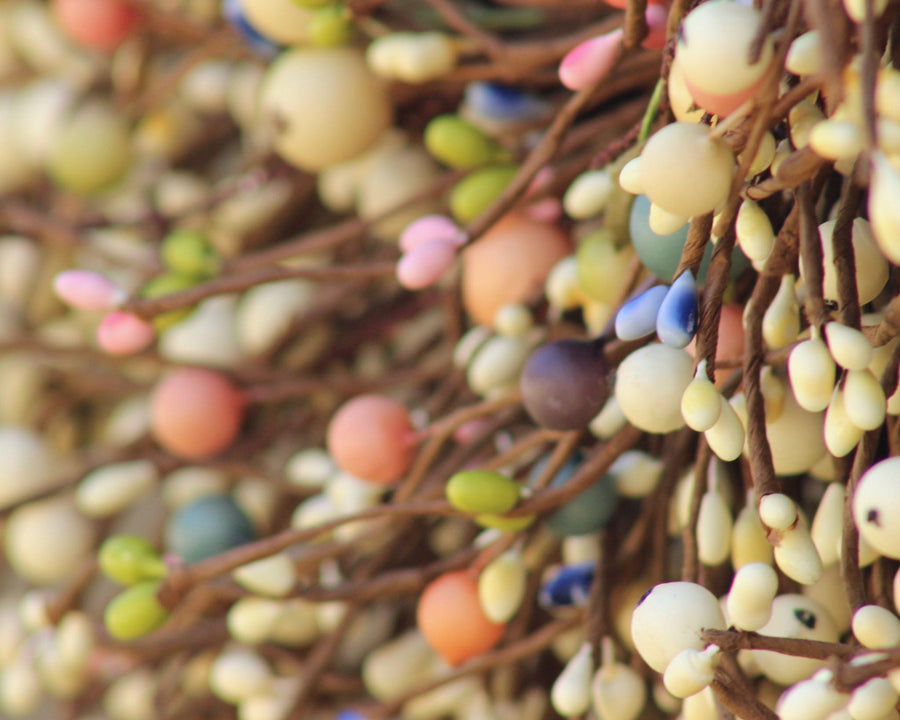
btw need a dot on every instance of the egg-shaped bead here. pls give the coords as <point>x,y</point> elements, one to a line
<point>841,433</point>
<point>826,530</point>
<point>714,525</point>
<point>876,627</point>
<point>588,194</point>
<point>251,619</point>
<point>273,576</point>
<point>873,700</point>
<point>754,232</point>
<point>848,346</point>
<point>777,511</point>
<point>669,619</point>
<point>749,601</point>
<point>811,371</point>
<point>804,55</point>
<point>649,385</point>
<point>864,400</point>
<point>501,587</point>
<point>883,211</point>
<point>796,555</point>
<point>497,365</point>
<point>237,674</point>
<point>112,488</point>
<point>726,436</point>
<point>876,507</point>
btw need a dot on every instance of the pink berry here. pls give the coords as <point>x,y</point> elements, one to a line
<point>547,210</point>
<point>586,64</point>
<point>87,290</point>
<point>372,438</point>
<point>96,24</point>
<point>122,333</point>
<point>425,263</point>
<point>430,227</point>
<point>657,19</point>
<point>196,412</point>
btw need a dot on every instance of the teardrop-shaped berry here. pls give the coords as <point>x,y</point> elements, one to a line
<point>588,62</point>
<point>637,317</point>
<point>676,322</point>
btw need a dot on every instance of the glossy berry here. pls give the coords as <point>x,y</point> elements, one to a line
<point>564,384</point>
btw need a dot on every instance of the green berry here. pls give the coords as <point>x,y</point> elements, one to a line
<point>330,26</point>
<point>188,252</point>
<point>482,492</point>
<point>505,524</point>
<point>166,284</point>
<point>460,144</point>
<point>130,559</point>
<point>135,612</point>
<point>472,195</point>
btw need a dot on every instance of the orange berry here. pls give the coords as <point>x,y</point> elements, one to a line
<point>509,264</point>
<point>452,620</point>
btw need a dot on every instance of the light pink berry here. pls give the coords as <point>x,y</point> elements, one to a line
<point>122,333</point>
<point>657,19</point>
<point>430,227</point>
<point>587,63</point>
<point>87,290</point>
<point>547,210</point>
<point>425,263</point>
